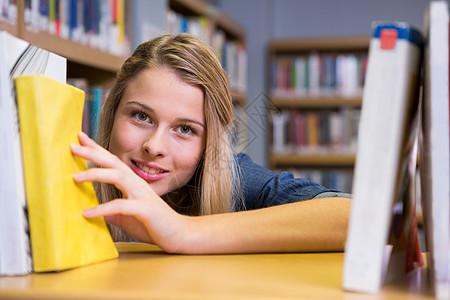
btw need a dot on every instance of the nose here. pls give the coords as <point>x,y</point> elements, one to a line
<point>155,144</point>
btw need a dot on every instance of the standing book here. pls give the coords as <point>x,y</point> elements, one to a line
<point>435,152</point>
<point>17,57</point>
<point>389,100</point>
<point>50,115</point>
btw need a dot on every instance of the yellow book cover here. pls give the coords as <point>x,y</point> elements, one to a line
<point>50,115</point>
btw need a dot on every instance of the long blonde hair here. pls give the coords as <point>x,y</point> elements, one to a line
<point>215,185</point>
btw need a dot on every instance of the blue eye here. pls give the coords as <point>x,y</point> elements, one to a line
<point>185,130</point>
<point>141,116</point>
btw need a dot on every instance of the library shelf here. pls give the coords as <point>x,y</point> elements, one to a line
<point>220,20</point>
<point>299,85</point>
<point>315,102</point>
<point>11,28</point>
<point>98,66</point>
<point>74,51</point>
<point>312,160</point>
<point>332,43</point>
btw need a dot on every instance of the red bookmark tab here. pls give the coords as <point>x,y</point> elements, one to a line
<point>388,39</point>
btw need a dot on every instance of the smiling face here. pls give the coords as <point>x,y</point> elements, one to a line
<point>159,129</point>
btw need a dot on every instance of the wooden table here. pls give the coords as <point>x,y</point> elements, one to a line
<point>145,272</point>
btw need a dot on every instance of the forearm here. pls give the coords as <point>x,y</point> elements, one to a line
<point>316,225</point>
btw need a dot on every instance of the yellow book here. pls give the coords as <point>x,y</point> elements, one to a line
<point>121,19</point>
<point>50,116</point>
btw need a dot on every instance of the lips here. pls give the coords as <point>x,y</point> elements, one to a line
<point>148,173</point>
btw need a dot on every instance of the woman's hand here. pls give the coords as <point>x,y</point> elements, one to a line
<point>302,226</point>
<point>142,213</point>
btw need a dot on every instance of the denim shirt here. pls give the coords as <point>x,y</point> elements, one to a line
<point>264,188</point>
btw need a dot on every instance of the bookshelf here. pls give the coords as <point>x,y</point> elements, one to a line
<point>315,90</point>
<point>98,66</point>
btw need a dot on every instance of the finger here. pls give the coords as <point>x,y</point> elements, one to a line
<point>98,155</point>
<point>131,225</point>
<point>115,207</point>
<point>85,140</point>
<point>113,176</point>
<point>113,220</point>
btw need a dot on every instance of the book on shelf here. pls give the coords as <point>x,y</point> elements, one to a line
<point>434,151</point>
<point>8,12</point>
<point>17,57</point>
<point>98,23</point>
<point>95,96</point>
<point>231,53</point>
<point>50,115</point>
<point>373,252</point>
<point>318,74</point>
<point>201,26</point>
<point>333,178</point>
<point>239,136</point>
<point>95,101</point>
<point>315,131</point>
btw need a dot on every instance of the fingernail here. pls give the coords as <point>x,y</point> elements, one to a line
<point>88,213</point>
<point>75,176</point>
<point>75,146</point>
<point>82,133</point>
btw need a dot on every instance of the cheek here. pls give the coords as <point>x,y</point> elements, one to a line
<point>188,156</point>
<point>123,139</point>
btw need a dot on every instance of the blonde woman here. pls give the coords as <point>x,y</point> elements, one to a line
<point>166,173</point>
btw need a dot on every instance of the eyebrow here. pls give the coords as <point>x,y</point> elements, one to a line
<point>145,107</point>
<point>190,121</point>
<point>148,108</point>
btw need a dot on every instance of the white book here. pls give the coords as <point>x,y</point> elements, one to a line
<point>280,120</point>
<point>435,161</point>
<point>17,58</point>
<point>300,88</point>
<point>392,76</point>
<point>314,74</point>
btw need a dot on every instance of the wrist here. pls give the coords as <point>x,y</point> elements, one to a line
<point>180,239</point>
